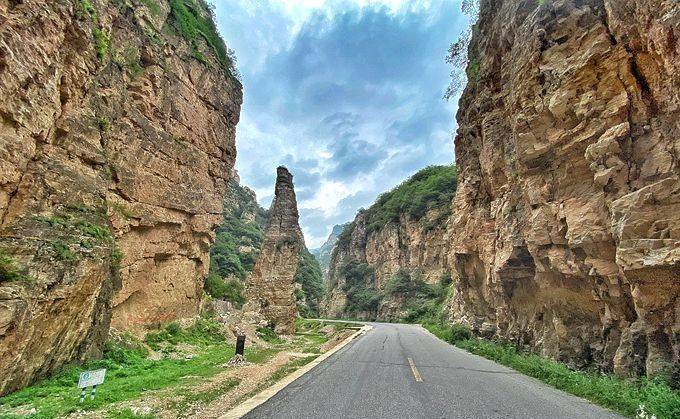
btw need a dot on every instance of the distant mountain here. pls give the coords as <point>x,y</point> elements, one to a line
<point>323,253</point>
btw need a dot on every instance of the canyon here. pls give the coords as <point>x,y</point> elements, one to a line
<point>556,231</point>
<point>564,232</point>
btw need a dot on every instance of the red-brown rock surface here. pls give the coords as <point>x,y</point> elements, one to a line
<point>270,287</point>
<point>566,226</point>
<point>113,141</point>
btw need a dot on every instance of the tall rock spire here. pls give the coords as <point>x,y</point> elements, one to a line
<point>270,287</point>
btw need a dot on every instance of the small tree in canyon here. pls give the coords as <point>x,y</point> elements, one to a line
<point>458,56</point>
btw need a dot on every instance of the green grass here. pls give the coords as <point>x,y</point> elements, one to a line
<point>128,375</point>
<point>310,277</point>
<point>229,289</point>
<point>193,19</point>
<point>103,123</point>
<point>291,367</point>
<point>11,270</point>
<point>268,335</point>
<point>101,42</point>
<point>191,398</point>
<point>63,251</point>
<point>153,6</point>
<point>622,396</point>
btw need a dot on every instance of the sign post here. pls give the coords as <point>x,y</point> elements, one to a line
<point>90,379</point>
<point>240,344</point>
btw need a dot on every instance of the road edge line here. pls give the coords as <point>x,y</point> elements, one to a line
<point>266,394</point>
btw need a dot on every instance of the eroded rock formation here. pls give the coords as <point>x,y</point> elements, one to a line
<point>566,226</point>
<point>323,254</point>
<point>116,146</point>
<point>403,246</point>
<point>270,287</point>
<point>413,241</point>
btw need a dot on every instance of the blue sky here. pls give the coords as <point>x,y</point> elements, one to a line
<point>347,94</point>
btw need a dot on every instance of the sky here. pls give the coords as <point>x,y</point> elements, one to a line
<point>348,94</point>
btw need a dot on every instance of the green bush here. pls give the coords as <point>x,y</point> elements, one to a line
<point>359,288</point>
<point>203,331</point>
<point>194,20</point>
<point>229,290</point>
<point>10,270</point>
<point>459,333</point>
<point>310,277</point>
<point>268,335</point>
<point>403,283</point>
<point>102,42</point>
<point>225,257</point>
<point>432,187</point>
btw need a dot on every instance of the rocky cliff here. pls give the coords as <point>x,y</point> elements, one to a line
<point>403,233</point>
<point>238,243</point>
<point>270,288</point>
<point>565,236</point>
<point>323,254</point>
<point>117,124</point>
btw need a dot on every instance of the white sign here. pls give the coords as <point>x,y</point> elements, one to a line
<point>91,378</point>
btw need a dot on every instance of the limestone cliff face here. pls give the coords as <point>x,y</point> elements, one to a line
<point>270,288</point>
<point>566,228</point>
<point>403,231</point>
<point>405,245</point>
<point>323,254</point>
<point>116,145</point>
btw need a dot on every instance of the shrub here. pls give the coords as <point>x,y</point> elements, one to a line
<point>310,277</point>
<point>459,333</point>
<point>432,187</point>
<point>359,287</point>
<point>188,18</point>
<point>102,43</point>
<point>405,284</point>
<point>268,335</point>
<point>10,270</point>
<point>103,123</point>
<point>203,331</point>
<point>229,290</point>
<point>63,251</point>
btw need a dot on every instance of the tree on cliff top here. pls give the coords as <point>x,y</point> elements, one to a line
<point>464,64</point>
<point>431,188</point>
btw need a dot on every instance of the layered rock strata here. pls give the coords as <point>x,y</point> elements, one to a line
<point>117,144</point>
<point>566,229</point>
<point>270,287</point>
<point>403,246</point>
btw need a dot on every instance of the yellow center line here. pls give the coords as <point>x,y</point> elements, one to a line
<point>416,374</point>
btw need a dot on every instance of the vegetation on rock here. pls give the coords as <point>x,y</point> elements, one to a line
<point>310,277</point>
<point>430,188</point>
<point>194,20</point>
<point>10,270</point>
<point>623,396</point>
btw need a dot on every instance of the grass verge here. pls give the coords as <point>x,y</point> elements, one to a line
<point>130,374</point>
<point>623,396</point>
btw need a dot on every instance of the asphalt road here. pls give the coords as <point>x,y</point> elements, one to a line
<point>372,377</point>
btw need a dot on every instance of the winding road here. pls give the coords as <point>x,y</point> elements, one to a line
<point>402,371</point>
